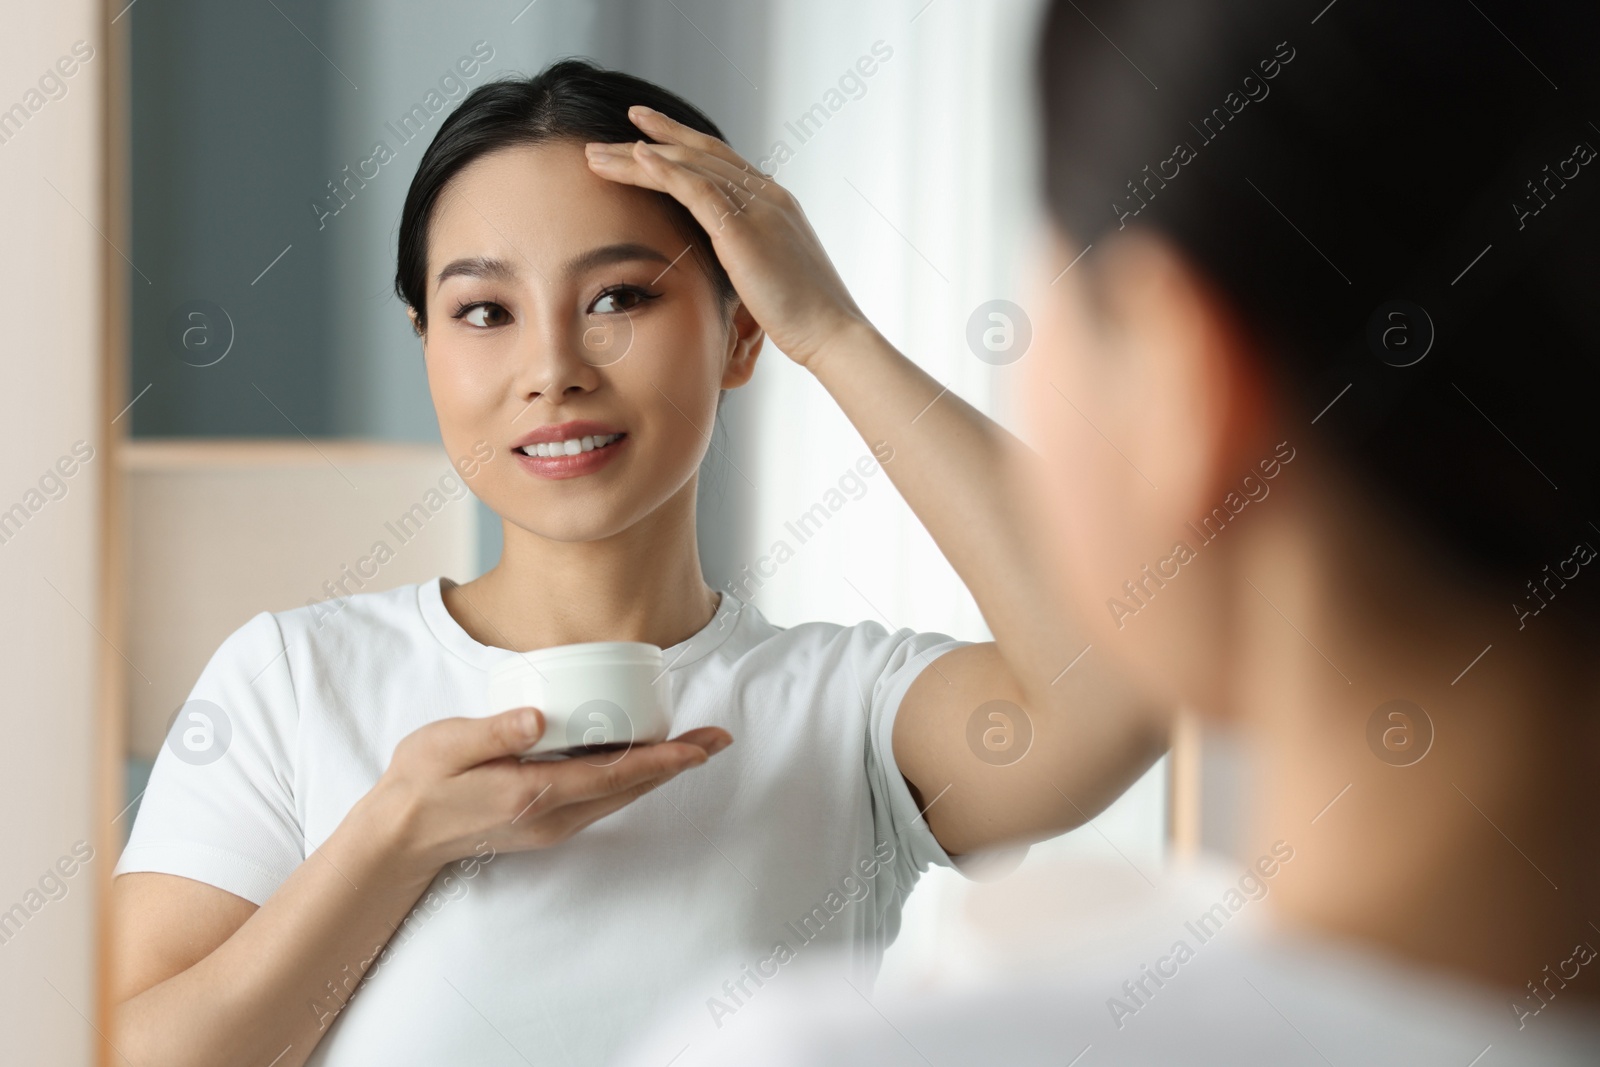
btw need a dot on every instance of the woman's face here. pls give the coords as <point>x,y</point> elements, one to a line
<point>555,296</point>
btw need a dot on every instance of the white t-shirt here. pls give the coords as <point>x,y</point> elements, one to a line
<point>802,834</point>
<point>1118,990</point>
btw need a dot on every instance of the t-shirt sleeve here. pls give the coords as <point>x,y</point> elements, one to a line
<point>895,809</point>
<point>896,814</point>
<point>219,807</point>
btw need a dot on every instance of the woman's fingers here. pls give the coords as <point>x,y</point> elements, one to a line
<point>576,780</point>
<point>712,188</point>
<point>711,738</point>
<point>665,128</point>
<point>571,795</point>
<point>462,742</point>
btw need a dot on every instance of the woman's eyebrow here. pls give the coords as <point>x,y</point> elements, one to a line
<point>605,255</point>
<point>477,267</point>
<point>497,269</point>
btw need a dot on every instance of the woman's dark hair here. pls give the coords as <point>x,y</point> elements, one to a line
<point>572,99</point>
<point>1321,168</point>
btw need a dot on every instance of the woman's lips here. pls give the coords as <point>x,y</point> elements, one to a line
<point>574,466</point>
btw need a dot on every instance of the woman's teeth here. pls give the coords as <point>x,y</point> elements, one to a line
<point>570,447</point>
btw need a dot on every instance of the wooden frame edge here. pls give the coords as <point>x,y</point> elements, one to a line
<point>110,713</point>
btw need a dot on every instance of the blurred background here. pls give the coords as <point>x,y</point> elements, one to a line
<point>201,228</point>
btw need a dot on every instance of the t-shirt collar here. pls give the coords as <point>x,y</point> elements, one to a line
<point>448,632</point>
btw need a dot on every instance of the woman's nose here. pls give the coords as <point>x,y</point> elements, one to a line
<point>566,357</point>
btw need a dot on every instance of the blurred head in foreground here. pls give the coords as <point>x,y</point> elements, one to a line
<point>1312,374</point>
<point>1314,384</point>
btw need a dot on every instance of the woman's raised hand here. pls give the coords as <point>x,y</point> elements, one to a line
<point>456,784</point>
<point>761,237</point>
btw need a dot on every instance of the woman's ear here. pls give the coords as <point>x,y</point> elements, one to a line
<point>416,326</point>
<point>745,338</point>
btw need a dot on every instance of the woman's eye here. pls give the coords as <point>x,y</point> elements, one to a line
<point>624,298</point>
<point>484,315</point>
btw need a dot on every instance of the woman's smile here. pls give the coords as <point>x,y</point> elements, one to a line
<point>569,449</point>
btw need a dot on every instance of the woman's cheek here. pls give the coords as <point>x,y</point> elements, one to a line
<point>466,392</point>
<point>686,403</point>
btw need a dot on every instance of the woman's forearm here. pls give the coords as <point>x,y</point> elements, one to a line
<point>273,987</point>
<point>952,464</point>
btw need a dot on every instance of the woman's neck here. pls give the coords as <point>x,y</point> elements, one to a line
<point>1482,856</point>
<point>642,583</point>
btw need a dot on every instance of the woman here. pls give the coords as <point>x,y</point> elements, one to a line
<point>1334,307</point>
<point>601,301</point>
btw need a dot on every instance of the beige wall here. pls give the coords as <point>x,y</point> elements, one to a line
<point>50,304</point>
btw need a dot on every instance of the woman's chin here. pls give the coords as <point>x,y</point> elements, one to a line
<point>574,530</point>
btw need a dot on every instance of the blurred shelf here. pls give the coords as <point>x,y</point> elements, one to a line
<point>219,530</point>
<point>166,453</point>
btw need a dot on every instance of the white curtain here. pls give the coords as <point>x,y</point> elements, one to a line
<point>918,186</point>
